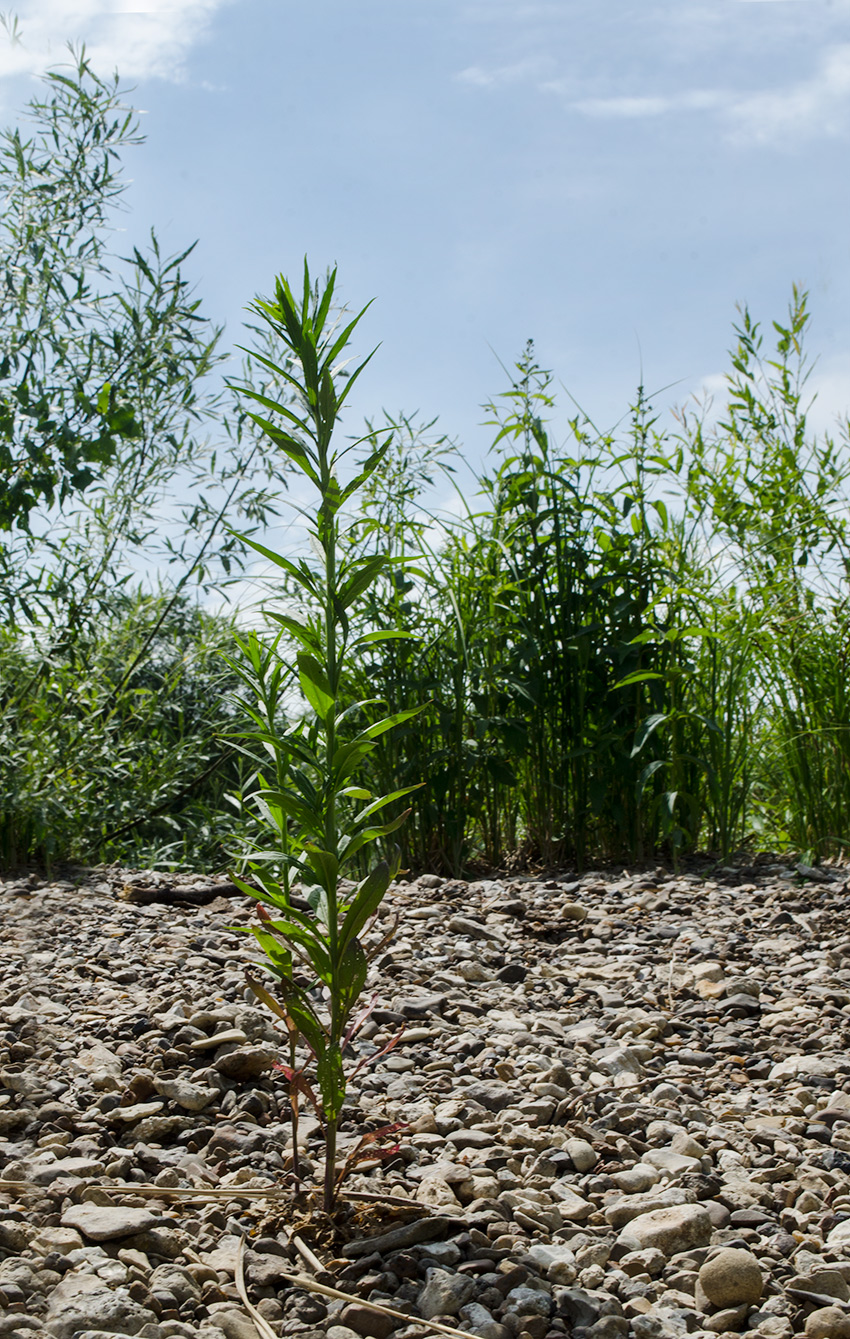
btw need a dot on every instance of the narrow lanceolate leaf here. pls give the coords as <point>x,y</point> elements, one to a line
<point>389,722</point>
<point>369,638</point>
<point>647,774</point>
<point>372,834</point>
<point>279,956</point>
<point>324,865</point>
<point>299,572</point>
<point>304,633</point>
<point>360,580</point>
<point>646,729</point>
<point>270,892</point>
<point>353,968</point>
<point>300,810</point>
<point>384,800</point>
<point>265,997</point>
<point>310,941</point>
<point>347,756</point>
<point>331,1076</point>
<point>314,685</point>
<point>365,903</point>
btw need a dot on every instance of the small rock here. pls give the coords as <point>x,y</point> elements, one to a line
<point>731,1277</point>
<point>582,1154</point>
<point>367,1322</point>
<point>248,1062</point>
<point>236,1325</point>
<point>190,1096</point>
<point>444,1294</point>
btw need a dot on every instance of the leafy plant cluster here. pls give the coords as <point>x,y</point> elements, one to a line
<point>119,470</point>
<point>629,642</point>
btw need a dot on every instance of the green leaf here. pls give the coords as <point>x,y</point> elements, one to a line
<point>310,939</point>
<point>369,638</point>
<point>331,1077</point>
<point>325,866</point>
<point>389,722</point>
<point>302,632</point>
<point>366,901</point>
<point>361,580</point>
<point>646,729</point>
<point>314,684</point>
<point>367,835</point>
<point>301,574</point>
<point>646,775</point>
<point>280,957</point>
<point>347,756</point>
<point>353,968</point>
<point>386,799</point>
<point>310,818</point>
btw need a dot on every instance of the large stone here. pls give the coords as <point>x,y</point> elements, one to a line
<point>177,1280</point>
<point>570,1205</point>
<point>101,1223</point>
<point>731,1277</point>
<point>677,1228</point>
<point>247,1062</point>
<point>45,1173</point>
<point>828,1322</point>
<point>190,1096</point>
<point>364,1320</point>
<point>236,1325</point>
<point>622,1211</point>
<point>621,1064</point>
<point>444,1294</point>
<point>582,1154</point>
<point>524,1301</point>
<point>492,1094</point>
<point>84,1302</point>
<point>556,1261</point>
<point>409,1234</point>
<point>821,1283</point>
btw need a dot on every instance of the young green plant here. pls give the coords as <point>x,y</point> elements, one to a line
<point>316,817</point>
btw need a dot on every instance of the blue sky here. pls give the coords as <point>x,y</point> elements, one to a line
<point>607,177</point>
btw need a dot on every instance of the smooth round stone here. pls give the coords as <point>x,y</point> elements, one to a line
<point>828,1322</point>
<point>635,1180</point>
<point>731,1277</point>
<point>582,1155</point>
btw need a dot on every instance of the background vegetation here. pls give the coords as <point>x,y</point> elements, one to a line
<point>624,642</point>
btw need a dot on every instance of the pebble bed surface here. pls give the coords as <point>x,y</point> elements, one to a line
<point>626,1097</point>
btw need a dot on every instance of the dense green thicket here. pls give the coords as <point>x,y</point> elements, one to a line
<point>632,642</point>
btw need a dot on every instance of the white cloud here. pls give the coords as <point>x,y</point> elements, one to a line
<point>813,107</point>
<point>628,108</point>
<point>521,71</point>
<point>819,105</point>
<point>140,38</point>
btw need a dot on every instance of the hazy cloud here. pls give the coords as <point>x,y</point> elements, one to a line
<point>141,38</point>
<point>819,105</point>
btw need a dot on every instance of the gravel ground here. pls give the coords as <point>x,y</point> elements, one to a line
<point>627,1100</point>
